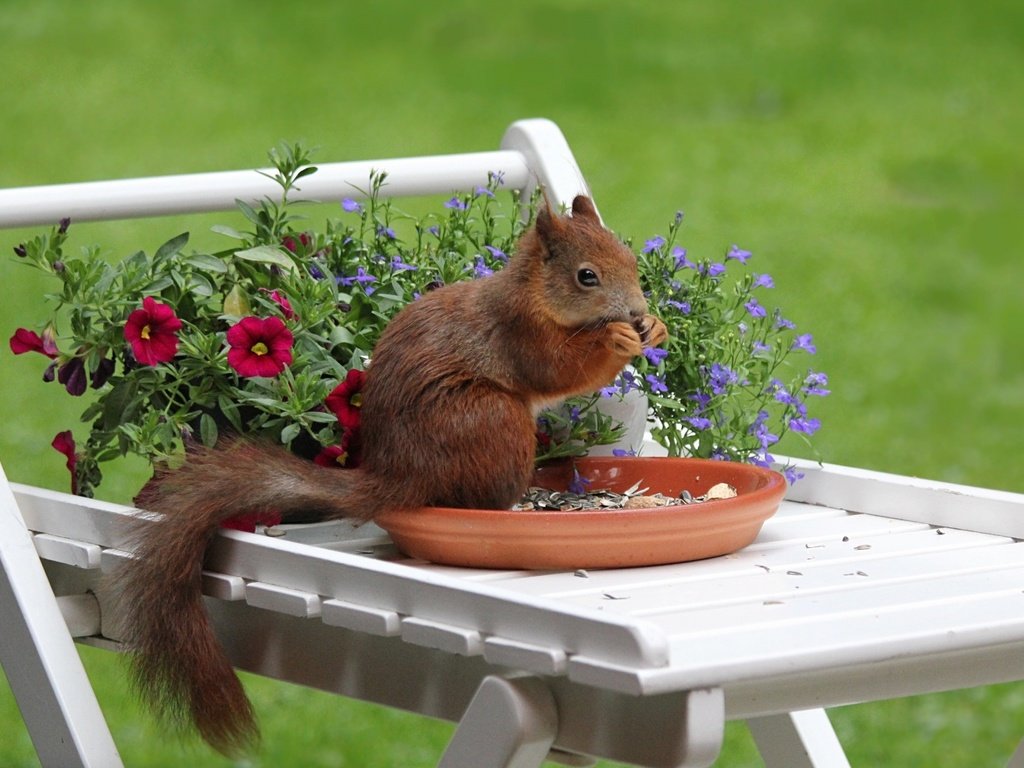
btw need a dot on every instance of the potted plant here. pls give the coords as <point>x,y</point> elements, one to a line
<point>270,335</point>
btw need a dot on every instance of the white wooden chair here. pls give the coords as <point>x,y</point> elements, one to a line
<point>864,586</point>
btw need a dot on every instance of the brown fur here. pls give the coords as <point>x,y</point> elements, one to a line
<point>448,418</point>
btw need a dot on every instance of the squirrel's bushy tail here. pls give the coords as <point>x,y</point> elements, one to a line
<point>178,664</point>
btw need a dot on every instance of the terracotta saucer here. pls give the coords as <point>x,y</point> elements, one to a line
<point>603,538</point>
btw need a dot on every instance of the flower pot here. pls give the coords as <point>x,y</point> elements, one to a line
<point>601,538</point>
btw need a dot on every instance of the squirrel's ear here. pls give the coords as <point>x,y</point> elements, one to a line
<point>583,207</point>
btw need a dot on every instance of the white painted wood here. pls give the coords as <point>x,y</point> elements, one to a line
<point>509,724</point>
<point>1017,761</point>
<point>373,621</point>
<point>911,498</point>
<point>67,551</point>
<point>81,614</point>
<point>526,656</point>
<point>291,602</point>
<point>798,740</point>
<point>39,657</point>
<point>443,637</point>
<point>217,191</point>
<point>223,586</point>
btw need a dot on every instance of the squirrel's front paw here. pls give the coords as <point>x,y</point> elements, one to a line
<point>651,330</point>
<point>623,340</point>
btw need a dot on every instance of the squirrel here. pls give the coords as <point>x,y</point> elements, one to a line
<point>448,418</point>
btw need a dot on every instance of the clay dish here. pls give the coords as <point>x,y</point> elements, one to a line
<point>600,538</point>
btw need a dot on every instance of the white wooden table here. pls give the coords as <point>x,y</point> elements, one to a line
<point>863,587</point>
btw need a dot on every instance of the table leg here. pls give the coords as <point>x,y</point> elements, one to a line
<point>1017,761</point>
<point>798,740</point>
<point>510,723</point>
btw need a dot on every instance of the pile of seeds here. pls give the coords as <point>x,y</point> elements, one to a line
<point>632,498</point>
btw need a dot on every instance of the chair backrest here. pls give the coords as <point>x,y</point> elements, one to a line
<point>532,152</point>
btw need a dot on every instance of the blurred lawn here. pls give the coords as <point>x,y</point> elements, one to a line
<point>868,153</point>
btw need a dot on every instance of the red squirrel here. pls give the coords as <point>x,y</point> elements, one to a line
<point>448,417</point>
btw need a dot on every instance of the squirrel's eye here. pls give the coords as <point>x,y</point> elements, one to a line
<point>588,278</point>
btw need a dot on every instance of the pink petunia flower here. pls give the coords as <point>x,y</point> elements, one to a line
<point>152,332</point>
<point>259,346</point>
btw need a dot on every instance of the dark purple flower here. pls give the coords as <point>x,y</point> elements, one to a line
<point>72,375</point>
<point>623,452</point>
<point>103,372</point>
<point>20,250</point>
<point>62,227</point>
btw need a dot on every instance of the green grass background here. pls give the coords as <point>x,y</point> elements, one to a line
<point>869,153</point>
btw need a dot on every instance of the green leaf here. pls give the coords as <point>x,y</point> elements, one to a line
<point>116,402</point>
<point>266,254</point>
<point>158,285</point>
<point>223,229</point>
<point>206,262</point>
<point>248,211</point>
<point>208,430</point>
<point>171,247</point>
<point>289,433</point>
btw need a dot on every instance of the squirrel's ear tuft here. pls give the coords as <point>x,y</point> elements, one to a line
<point>583,207</point>
<point>547,220</point>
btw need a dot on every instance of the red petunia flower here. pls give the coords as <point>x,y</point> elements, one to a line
<point>346,399</point>
<point>259,346</point>
<point>282,301</point>
<point>65,443</point>
<point>153,332</point>
<point>25,340</point>
<point>344,455</point>
<point>249,520</point>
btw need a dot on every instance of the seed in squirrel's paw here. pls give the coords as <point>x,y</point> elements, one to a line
<point>641,326</point>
